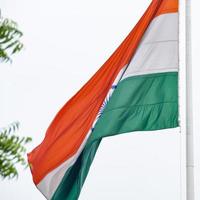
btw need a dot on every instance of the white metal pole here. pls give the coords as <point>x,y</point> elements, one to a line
<point>189,113</point>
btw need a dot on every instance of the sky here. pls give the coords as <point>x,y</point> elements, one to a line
<point>65,43</point>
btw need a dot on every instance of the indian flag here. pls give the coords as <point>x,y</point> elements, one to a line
<point>135,90</point>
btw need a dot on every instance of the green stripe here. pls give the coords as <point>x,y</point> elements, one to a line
<point>140,103</point>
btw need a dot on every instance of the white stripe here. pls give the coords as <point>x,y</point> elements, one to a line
<point>51,181</point>
<point>158,50</point>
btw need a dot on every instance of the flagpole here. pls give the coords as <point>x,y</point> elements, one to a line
<point>189,112</point>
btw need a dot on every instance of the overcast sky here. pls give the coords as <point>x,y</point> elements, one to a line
<point>65,43</point>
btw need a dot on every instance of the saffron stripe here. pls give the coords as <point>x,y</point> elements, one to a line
<point>75,119</point>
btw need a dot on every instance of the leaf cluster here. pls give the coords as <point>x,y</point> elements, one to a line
<point>9,39</point>
<point>12,149</point>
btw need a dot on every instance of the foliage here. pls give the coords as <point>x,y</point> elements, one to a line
<point>9,39</point>
<point>11,151</point>
<point>12,147</point>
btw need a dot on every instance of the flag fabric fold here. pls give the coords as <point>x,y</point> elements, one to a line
<point>135,90</point>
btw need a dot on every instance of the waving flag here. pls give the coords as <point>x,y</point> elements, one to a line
<point>135,90</point>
